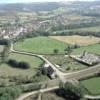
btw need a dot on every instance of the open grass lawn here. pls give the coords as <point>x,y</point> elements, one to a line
<point>34,62</point>
<point>75,39</point>
<point>93,85</point>
<point>41,45</point>
<point>95,48</point>
<point>66,64</point>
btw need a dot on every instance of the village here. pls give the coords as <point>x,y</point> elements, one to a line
<point>50,51</point>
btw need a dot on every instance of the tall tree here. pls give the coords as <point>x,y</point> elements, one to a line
<point>72,91</point>
<point>68,50</point>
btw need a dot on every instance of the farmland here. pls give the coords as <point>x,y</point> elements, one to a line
<point>41,45</point>
<point>93,85</point>
<point>40,50</point>
<point>95,48</point>
<point>75,39</point>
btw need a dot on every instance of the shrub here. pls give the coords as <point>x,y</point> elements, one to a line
<point>14,63</point>
<point>31,87</point>
<point>23,65</point>
<point>56,51</point>
<point>9,93</point>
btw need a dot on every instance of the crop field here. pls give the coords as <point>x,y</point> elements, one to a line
<point>95,48</point>
<point>41,45</point>
<point>75,39</point>
<point>93,85</point>
<point>6,70</point>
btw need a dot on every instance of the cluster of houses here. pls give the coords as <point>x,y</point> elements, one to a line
<point>12,32</point>
<point>88,58</point>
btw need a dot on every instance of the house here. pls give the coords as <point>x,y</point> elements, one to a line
<point>49,71</point>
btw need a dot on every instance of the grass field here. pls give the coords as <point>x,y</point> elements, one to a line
<point>75,39</point>
<point>95,48</point>
<point>93,85</point>
<point>41,45</point>
<point>34,62</point>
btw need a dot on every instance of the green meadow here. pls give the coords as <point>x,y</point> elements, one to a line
<point>41,45</point>
<point>93,85</point>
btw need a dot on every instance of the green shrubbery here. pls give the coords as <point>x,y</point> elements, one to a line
<point>9,93</point>
<point>14,63</point>
<point>30,87</point>
<point>71,91</point>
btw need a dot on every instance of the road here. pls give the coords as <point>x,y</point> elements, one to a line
<point>22,97</point>
<point>83,73</point>
<point>92,97</point>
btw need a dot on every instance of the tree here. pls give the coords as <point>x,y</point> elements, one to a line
<point>23,65</point>
<point>10,93</point>
<point>56,51</point>
<point>14,63</point>
<point>5,53</point>
<point>68,50</point>
<point>71,91</point>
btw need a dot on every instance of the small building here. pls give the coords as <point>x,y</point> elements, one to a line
<point>49,71</point>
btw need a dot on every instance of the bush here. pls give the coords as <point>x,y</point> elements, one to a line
<point>14,63</point>
<point>71,91</point>
<point>31,87</point>
<point>23,65</point>
<point>9,93</point>
<point>56,51</point>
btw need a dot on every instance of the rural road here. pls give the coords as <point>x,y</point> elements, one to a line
<point>22,97</point>
<point>90,97</point>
